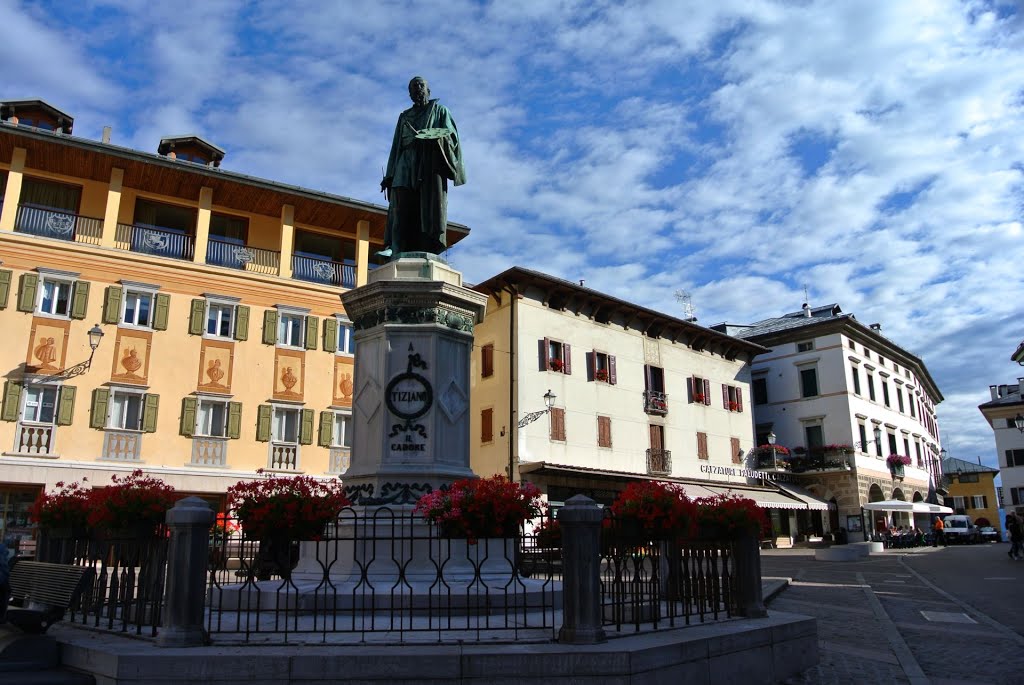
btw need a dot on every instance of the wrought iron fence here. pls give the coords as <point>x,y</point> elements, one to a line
<point>55,223</point>
<point>155,241</point>
<point>323,271</point>
<point>236,256</point>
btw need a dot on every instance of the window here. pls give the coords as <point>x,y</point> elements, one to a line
<point>487,425</point>
<point>700,390</point>
<point>968,478</point>
<point>809,382</point>
<point>655,399</point>
<point>138,307</point>
<point>487,361</point>
<point>341,436</point>
<point>55,297</point>
<point>899,398</point>
<point>893,449</point>
<point>219,319</point>
<point>867,353</point>
<point>863,431</point>
<point>906,446</point>
<point>285,426</point>
<point>702,446</point>
<point>910,399</point>
<point>958,504</point>
<point>212,418</point>
<point>917,449</point>
<point>289,329</point>
<point>604,431</point>
<point>558,424</point>
<point>856,380</point>
<point>126,410</point>
<point>602,367</point>
<point>555,356</point>
<point>885,393</point>
<point>759,386</point>
<point>815,438</point>
<point>1016,495</point>
<point>40,404</point>
<point>346,337</point>
<point>732,398</point>
<point>979,501</point>
<point>805,346</point>
<point>871,387</point>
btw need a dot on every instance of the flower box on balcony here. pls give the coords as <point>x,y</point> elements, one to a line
<point>601,375</point>
<point>734,406</point>
<point>698,397</point>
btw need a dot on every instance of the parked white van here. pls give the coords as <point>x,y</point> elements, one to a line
<point>960,528</point>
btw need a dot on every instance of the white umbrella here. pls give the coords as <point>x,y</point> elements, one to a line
<point>890,505</point>
<point>925,508</point>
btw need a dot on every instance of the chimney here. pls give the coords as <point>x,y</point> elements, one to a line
<point>876,327</point>
<point>807,310</point>
<point>106,135</point>
<point>582,282</point>
<point>994,392</point>
<point>1020,387</point>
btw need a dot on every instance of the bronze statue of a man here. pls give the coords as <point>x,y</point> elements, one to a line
<point>425,155</point>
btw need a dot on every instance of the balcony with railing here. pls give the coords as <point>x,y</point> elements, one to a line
<point>659,462</point>
<point>208,451</point>
<point>321,270</point>
<point>56,223</point>
<point>34,439</point>
<point>284,456</point>
<point>121,445</point>
<point>655,402</point>
<point>154,240</point>
<point>242,257</point>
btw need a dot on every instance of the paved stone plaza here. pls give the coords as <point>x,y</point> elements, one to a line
<point>881,620</point>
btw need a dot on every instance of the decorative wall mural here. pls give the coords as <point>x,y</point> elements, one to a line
<point>289,374</point>
<point>344,383</point>
<point>131,357</point>
<point>215,366</point>
<point>47,346</point>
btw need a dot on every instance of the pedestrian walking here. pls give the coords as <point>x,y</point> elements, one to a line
<point>939,532</point>
<point>1014,526</point>
<point>5,576</point>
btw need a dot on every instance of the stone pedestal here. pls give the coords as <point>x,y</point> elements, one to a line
<point>414,334</point>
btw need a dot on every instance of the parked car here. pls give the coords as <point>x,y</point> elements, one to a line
<point>961,529</point>
<point>989,534</point>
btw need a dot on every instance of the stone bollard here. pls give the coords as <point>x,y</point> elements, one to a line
<point>580,521</point>
<point>747,558</point>
<point>187,557</point>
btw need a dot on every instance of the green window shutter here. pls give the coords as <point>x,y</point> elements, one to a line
<point>188,416</point>
<point>311,325</point>
<point>5,286</point>
<point>326,436</point>
<point>234,420</point>
<point>330,335</point>
<point>161,310</point>
<point>80,300</point>
<point>306,429</point>
<point>28,284</point>
<point>98,411</point>
<point>149,412</point>
<point>12,401</point>
<point>112,304</point>
<point>263,414</point>
<point>241,323</point>
<point>66,405</point>
<point>270,327</point>
<point>196,317</point>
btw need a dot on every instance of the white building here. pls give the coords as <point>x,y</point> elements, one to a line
<point>1001,412</point>
<point>638,395</point>
<point>843,397</point>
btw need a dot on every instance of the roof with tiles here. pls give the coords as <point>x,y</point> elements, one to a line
<point>953,465</point>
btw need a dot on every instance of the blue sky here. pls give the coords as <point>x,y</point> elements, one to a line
<point>738,150</point>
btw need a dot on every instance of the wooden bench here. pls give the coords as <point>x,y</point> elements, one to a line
<point>44,592</point>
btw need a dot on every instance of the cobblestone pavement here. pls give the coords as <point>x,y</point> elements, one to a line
<point>871,628</point>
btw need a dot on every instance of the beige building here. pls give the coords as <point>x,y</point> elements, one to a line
<point>637,394</point>
<point>225,348</point>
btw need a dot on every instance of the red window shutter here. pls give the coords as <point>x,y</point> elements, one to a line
<point>604,431</point>
<point>725,395</point>
<point>702,445</point>
<point>487,361</point>
<point>566,359</point>
<point>486,425</point>
<point>591,364</point>
<point>611,375</point>
<point>691,388</point>
<point>557,423</point>
<point>544,366</point>
<point>707,392</point>
<point>739,399</point>
<point>647,377</point>
<point>737,453</point>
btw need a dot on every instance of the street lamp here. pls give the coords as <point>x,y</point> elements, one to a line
<point>95,337</point>
<point>549,402</point>
<point>771,441</point>
<point>1018,421</point>
<point>878,440</point>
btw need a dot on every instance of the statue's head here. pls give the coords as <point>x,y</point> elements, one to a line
<point>419,91</point>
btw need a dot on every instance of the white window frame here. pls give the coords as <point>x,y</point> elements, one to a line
<point>25,404</point>
<point>53,276</point>
<point>285,340</point>
<point>134,392</point>
<point>221,303</point>
<point>338,423</point>
<point>129,288</point>
<point>280,408</point>
<point>978,501</point>
<point>346,337</point>
<point>201,430</point>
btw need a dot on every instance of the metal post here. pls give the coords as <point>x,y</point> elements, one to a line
<point>187,558</point>
<point>747,557</point>
<point>580,521</point>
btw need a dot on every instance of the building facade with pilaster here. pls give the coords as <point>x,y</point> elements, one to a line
<point>1002,411</point>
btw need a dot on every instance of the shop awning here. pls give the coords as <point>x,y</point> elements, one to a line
<point>766,499</point>
<point>693,490</point>
<point>813,502</point>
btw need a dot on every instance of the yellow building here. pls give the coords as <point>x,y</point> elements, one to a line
<point>225,347</point>
<point>971,490</point>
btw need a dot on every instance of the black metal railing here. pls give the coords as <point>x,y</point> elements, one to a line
<point>655,402</point>
<point>659,462</point>
<point>55,223</point>
<point>318,270</point>
<point>155,241</point>
<point>236,256</point>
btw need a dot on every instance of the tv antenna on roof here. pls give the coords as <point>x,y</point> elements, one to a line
<point>689,311</point>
